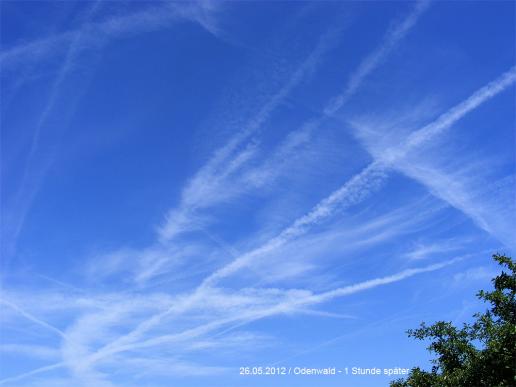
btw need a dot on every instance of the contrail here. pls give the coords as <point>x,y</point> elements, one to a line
<point>32,318</point>
<point>353,191</point>
<point>373,60</point>
<point>27,189</point>
<point>243,319</point>
<point>217,168</point>
<point>282,307</point>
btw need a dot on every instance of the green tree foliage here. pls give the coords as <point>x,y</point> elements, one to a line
<point>478,354</point>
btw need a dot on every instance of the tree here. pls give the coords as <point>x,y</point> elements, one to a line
<point>478,354</point>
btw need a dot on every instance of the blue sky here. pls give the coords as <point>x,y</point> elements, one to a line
<point>190,188</point>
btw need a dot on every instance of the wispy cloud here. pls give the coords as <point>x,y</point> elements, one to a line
<point>423,251</point>
<point>210,182</point>
<point>391,39</point>
<point>35,168</point>
<point>488,209</point>
<point>36,371</point>
<point>449,118</point>
<point>453,188</point>
<point>32,318</point>
<point>289,306</point>
<point>233,171</point>
<point>90,35</point>
<point>365,182</point>
<point>479,273</point>
<point>162,307</point>
<point>355,190</point>
<point>96,33</point>
<point>350,193</point>
<point>253,304</point>
<point>222,177</point>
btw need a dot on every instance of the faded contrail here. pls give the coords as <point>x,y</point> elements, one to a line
<point>353,191</point>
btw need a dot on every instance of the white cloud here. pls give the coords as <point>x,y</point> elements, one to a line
<point>424,251</point>
<point>94,34</point>
<point>391,39</point>
<point>480,273</point>
<point>459,188</point>
<point>224,176</point>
